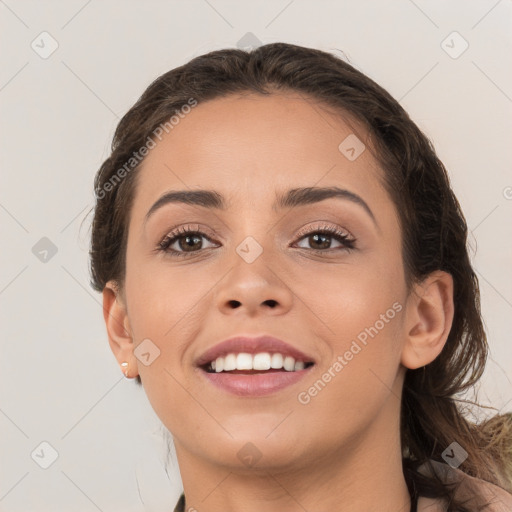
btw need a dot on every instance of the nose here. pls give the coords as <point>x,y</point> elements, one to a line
<point>254,289</point>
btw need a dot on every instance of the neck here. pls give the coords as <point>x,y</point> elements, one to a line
<point>363,474</point>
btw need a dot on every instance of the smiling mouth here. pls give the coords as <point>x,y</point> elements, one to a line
<point>250,364</point>
<point>255,375</point>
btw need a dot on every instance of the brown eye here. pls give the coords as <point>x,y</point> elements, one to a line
<point>321,239</point>
<point>186,241</point>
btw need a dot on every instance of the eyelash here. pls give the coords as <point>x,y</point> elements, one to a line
<point>344,238</point>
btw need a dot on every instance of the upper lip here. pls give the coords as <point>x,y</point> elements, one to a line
<point>254,345</point>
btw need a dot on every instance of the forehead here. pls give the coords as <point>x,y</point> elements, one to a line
<point>248,146</point>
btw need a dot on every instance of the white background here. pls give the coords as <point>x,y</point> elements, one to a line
<point>59,381</point>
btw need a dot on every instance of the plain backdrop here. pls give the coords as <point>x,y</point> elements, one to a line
<point>62,395</point>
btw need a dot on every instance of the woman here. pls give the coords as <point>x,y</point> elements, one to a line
<point>284,268</point>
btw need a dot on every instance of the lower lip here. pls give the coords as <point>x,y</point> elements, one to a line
<point>256,384</point>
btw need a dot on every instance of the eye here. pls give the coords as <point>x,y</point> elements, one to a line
<point>320,238</point>
<point>187,240</point>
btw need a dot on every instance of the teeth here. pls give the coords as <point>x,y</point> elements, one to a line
<point>260,361</point>
<point>289,364</point>
<point>229,362</point>
<point>244,361</point>
<point>276,361</point>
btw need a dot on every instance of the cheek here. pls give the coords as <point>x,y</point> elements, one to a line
<point>350,297</point>
<point>359,375</point>
<point>168,304</point>
<point>361,331</point>
<point>165,305</point>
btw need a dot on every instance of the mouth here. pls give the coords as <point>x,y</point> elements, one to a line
<point>255,367</point>
<point>243,363</point>
<point>244,382</point>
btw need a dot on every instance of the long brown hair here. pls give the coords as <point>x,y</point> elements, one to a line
<point>434,232</point>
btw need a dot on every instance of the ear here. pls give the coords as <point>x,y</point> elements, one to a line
<point>428,320</point>
<point>119,331</point>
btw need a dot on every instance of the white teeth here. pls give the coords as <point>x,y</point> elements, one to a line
<point>230,362</point>
<point>244,361</point>
<point>289,364</point>
<point>260,361</point>
<point>276,361</point>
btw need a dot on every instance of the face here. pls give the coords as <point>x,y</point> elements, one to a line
<point>326,277</point>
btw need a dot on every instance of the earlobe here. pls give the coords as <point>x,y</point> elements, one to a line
<point>429,317</point>
<point>118,327</point>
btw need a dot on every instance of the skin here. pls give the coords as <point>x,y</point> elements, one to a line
<point>343,447</point>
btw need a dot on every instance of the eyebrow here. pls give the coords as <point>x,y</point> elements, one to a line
<point>293,198</point>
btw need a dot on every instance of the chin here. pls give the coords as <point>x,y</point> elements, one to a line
<point>253,450</point>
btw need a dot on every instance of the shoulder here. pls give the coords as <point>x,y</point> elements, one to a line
<point>478,492</point>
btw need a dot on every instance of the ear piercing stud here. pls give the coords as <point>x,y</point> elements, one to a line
<point>125,368</point>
